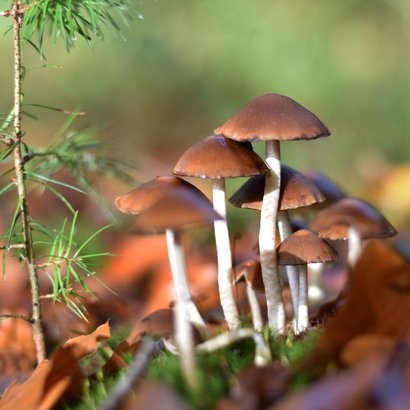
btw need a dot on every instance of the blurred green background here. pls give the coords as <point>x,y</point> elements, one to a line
<point>188,65</point>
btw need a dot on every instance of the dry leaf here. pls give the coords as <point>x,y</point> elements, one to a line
<point>154,396</point>
<point>55,377</point>
<point>377,300</point>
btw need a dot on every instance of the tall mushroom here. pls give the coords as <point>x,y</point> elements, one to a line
<point>272,118</point>
<point>354,220</point>
<point>296,191</point>
<point>139,200</point>
<point>217,158</point>
<point>301,248</point>
<point>172,213</point>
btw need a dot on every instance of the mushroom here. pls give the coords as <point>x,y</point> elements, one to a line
<point>172,213</point>
<point>354,220</point>
<point>139,200</point>
<point>250,272</point>
<point>301,248</point>
<point>296,191</point>
<point>272,118</point>
<point>217,158</point>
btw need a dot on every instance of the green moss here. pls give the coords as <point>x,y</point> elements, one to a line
<point>217,371</point>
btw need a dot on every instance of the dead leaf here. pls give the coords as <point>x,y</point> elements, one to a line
<point>55,377</point>
<point>154,396</point>
<point>366,347</point>
<point>377,300</point>
<point>259,387</point>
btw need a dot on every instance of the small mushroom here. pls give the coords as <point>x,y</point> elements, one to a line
<point>217,158</point>
<point>142,198</point>
<point>173,213</point>
<point>296,191</point>
<point>272,118</point>
<point>354,220</point>
<point>250,272</point>
<point>301,248</point>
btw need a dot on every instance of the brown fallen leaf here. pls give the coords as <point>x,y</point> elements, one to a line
<point>55,377</point>
<point>377,300</point>
<point>366,347</point>
<point>154,396</point>
<point>259,387</point>
<point>346,390</point>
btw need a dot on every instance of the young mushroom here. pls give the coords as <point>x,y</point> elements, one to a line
<point>139,200</point>
<point>301,248</point>
<point>217,158</point>
<point>272,118</point>
<point>354,220</point>
<point>250,272</point>
<point>296,191</point>
<point>173,213</point>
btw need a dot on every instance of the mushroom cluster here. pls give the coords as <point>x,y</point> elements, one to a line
<point>170,204</point>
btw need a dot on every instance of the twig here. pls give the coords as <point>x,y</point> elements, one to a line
<point>225,339</point>
<point>138,366</point>
<point>12,246</point>
<point>38,333</point>
<point>13,316</point>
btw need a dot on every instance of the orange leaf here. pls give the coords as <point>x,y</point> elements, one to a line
<point>54,378</point>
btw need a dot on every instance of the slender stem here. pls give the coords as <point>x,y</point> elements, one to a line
<point>257,319</point>
<point>179,276</point>
<point>224,255</point>
<point>354,245</point>
<point>315,273</point>
<point>125,385</point>
<point>292,271</point>
<point>13,316</point>
<point>267,234</point>
<point>38,334</point>
<point>303,315</point>
<point>183,329</point>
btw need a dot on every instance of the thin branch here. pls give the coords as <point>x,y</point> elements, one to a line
<point>13,316</point>
<point>38,333</point>
<point>12,246</point>
<point>138,366</point>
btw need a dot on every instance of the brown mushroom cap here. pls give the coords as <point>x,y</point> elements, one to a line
<point>334,221</point>
<point>141,198</point>
<point>219,157</point>
<point>177,210</point>
<point>304,247</point>
<point>250,271</point>
<point>273,117</point>
<point>296,191</point>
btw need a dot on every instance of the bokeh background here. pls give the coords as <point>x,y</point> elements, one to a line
<point>179,72</point>
<point>186,66</point>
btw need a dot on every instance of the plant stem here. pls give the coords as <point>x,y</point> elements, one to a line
<point>38,334</point>
<point>292,271</point>
<point>224,255</point>
<point>14,316</point>
<point>267,234</point>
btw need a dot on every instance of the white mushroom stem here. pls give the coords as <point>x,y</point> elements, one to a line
<point>262,351</point>
<point>179,275</point>
<point>292,271</point>
<point>354,245</point>
<point>255,309</point>
<point>183,329</point>
<point>267,233</point>
<point>225,339</point>
<point>315,274</point>
<point>224,255</point>
<point>303,315</point>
